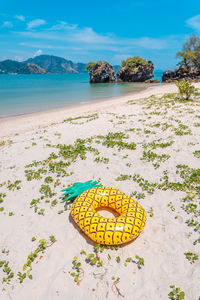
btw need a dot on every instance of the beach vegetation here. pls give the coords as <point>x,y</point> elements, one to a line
<point>147,131</point>
<point>99,159</point>
<point>21,276</point>
<point>115,139</point>
<point>4,264</point>
<point>171,206</point>
<point>2,196</point>
<point>5,251</point>
<point>129,259</point>
<point>14,186</point>
<point>139,261</point>
<point>128,165</point>
<point>27,267</point>
<point>118,259</point>
<point>176,293</point>
<point>48,179</point>
<point>88,118</point>
<point>77,272</point>
<point>196,153</point>
<point>137,195</point>
<point>156,144</point>
<point>151,156</point>
<point>191,257</point>
<point>150,211</point>
<point>186,89</point>
<point>46,191</point>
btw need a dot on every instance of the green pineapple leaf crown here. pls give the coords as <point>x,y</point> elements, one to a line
<point>78,188</point>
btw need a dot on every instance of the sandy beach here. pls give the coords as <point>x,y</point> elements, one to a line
<point>41,153</point>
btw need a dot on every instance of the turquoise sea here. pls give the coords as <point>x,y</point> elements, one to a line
<point>20,94</point>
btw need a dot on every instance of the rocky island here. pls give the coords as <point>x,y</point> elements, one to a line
<point>135,69</point>
<point>189,65</point>
<point>100,72</point>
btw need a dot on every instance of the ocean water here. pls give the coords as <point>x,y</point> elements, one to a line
<point>20,94</point>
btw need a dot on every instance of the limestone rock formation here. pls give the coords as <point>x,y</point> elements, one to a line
<point>140,73</point>
<point>101,72</point>
<point>178,74</point>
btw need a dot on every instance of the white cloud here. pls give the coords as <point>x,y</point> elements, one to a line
<point>194,22</point>
<point>35,23</point>
<point>37,53</point>
<point>87,36</point>
<point>150,43</point>
<point>63,26</point>
<point>20,17</point>
<point>18,58</point>
<point>7,24</point>
<point>48,46</point>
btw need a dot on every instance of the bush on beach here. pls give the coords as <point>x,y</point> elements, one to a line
<point>186,89</point>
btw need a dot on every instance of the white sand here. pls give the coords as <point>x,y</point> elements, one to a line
<point>166,236</point>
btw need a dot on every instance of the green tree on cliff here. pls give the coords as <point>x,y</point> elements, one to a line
<point>133,62</point>
<point>190,54</point>
<point>90,65</point>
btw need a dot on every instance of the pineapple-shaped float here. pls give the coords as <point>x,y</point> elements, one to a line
<point>91,196</point>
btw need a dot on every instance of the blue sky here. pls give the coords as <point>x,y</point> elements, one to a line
<point>93,30</point>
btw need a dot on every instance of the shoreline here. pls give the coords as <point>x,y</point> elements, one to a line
<point>30,121</point>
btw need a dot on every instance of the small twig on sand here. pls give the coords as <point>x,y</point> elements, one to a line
<point>116,288</point>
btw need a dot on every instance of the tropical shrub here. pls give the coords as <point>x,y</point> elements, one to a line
<point>185,89</point>
<point>92,64</point>
<point>132,63</point>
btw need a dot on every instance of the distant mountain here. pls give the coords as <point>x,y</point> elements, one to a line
<point>31,69</point>
<point>14,67</point>
<point>10,66</point>
<point>40,65</point>
<point>55,64</point>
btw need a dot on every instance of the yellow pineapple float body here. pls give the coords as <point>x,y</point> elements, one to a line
<point>108,231</point>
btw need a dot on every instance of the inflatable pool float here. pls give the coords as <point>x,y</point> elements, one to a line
<point>108,231</point>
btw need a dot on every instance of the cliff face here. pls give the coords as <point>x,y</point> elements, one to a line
<point>31,69</point>
<point>178,74</point>
<point>102,72</point>
<point>138,74</point>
